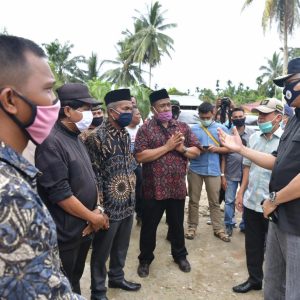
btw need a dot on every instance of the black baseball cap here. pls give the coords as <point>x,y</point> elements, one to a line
<point>293,68</point>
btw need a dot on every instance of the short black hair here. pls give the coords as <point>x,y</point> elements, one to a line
<point>13,63</point>
<point>75,104</point>
<point>237,109</point>
<point>205,107</point>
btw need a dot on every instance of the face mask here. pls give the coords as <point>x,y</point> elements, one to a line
<point>266,127</point>
<point>97,121</point>
<point>238,122</point>
<point>164,117</point>
<point>282,125</point>
<point>206,123</point>
<point>124,118</point>
<point>42,120</point>
<point>289,94</point>
<point>85,122</point>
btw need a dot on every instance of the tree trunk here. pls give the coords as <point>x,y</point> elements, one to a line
<point>150,76</point>
<point>285,42</point>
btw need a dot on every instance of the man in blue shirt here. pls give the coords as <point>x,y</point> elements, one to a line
<point>206,168</point>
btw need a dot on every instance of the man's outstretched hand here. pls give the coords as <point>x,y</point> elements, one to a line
<point>232,142</point>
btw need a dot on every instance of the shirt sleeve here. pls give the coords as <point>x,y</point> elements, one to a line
<point>141,140</point>
<point>55,175</point>
<point>246,161</point>
<point>191,139</point>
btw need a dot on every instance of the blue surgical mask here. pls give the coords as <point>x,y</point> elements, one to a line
<point>206,123</point>
<point>266,127</point>
<point>289,94</point>
<point>282,125</point>
<point>124,118</point>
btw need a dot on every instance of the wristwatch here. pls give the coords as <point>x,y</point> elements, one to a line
<point>185,150</point>
<point>222,174</point>
<point>272,197</point>
<point>100,208</point>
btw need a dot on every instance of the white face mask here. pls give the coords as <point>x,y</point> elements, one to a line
<point>86,121</point>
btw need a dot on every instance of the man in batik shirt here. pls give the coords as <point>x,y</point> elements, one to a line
<point>29,261</point>
<point>164,145</point>
<point>113,163</point>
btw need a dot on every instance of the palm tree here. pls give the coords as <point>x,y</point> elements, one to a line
<point>149,43</point>
<point>92,64</point>
<point>271,70</point>
<point>286,14</point>
<point>64,67</point>
<point>126,73</point>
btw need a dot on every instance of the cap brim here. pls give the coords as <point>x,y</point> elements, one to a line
<point>262,109</point>
<point>88,101</point>
<point>279,81</point>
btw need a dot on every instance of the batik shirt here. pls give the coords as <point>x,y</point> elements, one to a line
<point>29,261</point>
<point>164,178</point>
<point>114,165</point>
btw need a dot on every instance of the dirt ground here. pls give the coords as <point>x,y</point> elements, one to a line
<point>216,267</point>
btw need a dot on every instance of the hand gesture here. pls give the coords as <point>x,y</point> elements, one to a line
<point>223,183</point>
<point>99,221</point>
<point>213,149</point>
<point>232,142</point>
<point>239,201</point>
<point>268,207</point>
<point>174,141</point>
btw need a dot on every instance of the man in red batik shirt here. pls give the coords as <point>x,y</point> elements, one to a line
<point>164,145</point>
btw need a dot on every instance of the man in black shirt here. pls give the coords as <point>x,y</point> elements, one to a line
<point>282,263</point>
<point>67,184</point>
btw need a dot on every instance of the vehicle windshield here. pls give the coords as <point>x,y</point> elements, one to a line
<point>188,116</point>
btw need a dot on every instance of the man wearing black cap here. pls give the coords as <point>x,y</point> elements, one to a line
<point>114,165</point>
<point>164,145</point>
<point>68,184</point>
<point>282,262</point>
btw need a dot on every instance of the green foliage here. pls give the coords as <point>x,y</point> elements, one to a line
<point>99,89</point>
<point>141,93</point>
<point>174,91</point>
<point>66,69</point>
<point>271,70</point>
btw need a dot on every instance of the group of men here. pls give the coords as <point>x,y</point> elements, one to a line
<point>86,169</point>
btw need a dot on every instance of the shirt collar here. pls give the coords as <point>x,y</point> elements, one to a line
<point>16,160</point>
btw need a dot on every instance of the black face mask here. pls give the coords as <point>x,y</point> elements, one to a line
<point>289,94</point>
<point>239,122</point>
<point>97,121</point>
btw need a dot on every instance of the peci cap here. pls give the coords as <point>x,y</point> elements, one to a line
<point>97,106</point>
<point>269,105</point>
<point>158,95</point>
<point>75,91</point>
<point>293,68</point>
<point>117,95</point>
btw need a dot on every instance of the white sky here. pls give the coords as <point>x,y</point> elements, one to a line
<point>213,39</point>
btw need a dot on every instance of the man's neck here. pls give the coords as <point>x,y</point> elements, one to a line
<point>70,125</point>
<point>269,135</point>
<point>113,123</point>
<point>14,137</point>
<point>241,130</point>
<point>132,126</point>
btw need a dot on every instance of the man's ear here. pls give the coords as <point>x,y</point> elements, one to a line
<point>67,111</point>
<point>8,101</point>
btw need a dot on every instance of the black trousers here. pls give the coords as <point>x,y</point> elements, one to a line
<point>113,244</point>
<point>256,228</point>
<point>138,191</point>
<point>73,261</point>
<point>152,213</point>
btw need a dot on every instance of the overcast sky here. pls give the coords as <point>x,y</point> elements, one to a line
<point>214,38</point>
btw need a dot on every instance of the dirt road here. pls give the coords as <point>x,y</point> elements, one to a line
<point>216,267</point>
